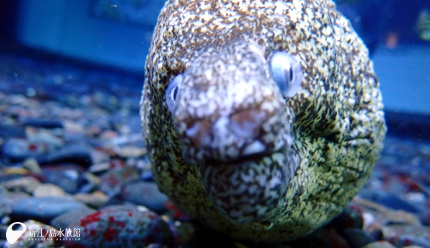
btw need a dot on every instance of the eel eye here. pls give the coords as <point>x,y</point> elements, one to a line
<point>287,73</point>
<point>172,92</point>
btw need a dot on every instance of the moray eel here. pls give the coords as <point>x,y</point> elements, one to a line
<point>264,118</point>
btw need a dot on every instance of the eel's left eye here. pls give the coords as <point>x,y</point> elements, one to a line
<point>172,92</point>
<point>287,73</point>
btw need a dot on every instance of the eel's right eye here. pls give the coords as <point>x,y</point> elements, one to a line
<point>172,92</point>
<point>287,73</point>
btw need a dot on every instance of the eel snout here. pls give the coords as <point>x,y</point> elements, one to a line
<point>233,137</point>
<point>229,130</point>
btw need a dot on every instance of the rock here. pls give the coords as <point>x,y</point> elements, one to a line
<point>130,151</point>
<point>99,167</point>
<point>105,101</point>
<point>73,128</point>
<point>93,179</point>
<point>176,213</point>
<point>47,139</point>
<point>37,144</point>
<point>43,123</point>
<point>425,215</point>
<point>182,232</point>
<point>405,235</point>
<point>76,154</point>
<point>46,236</point>
<point>116,200</point>
<point>147,175</point>
<point>95,199</point>
<point>394,202</point>
<point>5,203</point>
<point>124,140</point>
<point>111,182</point>
<point>14,195</point>
<point>326,237</point>
<point>67,177</point>
<point>356,237</point>
<point>32,166</point>
<point>145,165</point>
<point>16,149</point>
<point>3,230</point>
<point>376,214</point>
<point>66,219</point>
<point>43,208</point>
<point>122,226</point>
<point>351,217</point>
<point>99,157</point>
<point>15,171</point>
<point>379,244</point>
<point>48,189</point>
<point>8,131</point>
<point>24,184</point>
<point>145,194</point>
<point>5,178</point>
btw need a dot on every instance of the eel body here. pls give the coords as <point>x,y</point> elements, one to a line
<point>264,118</point>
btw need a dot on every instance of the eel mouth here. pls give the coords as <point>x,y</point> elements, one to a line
<point>246,189</point>
<point>245,159</point>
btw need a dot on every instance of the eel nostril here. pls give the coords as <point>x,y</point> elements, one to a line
<point>200,133</point>
<point>247,124</point>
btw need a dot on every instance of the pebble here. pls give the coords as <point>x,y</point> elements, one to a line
<point>376,214</point>
<point>8,131</point>
<point>68,218</point>
<point>48,189</point>
<point>90,183</point>
<point>32,166</point>
<point>183,232</point>
<point>394,202</point>
<point>68,177</point>
<point>95,199</point>
<point>36,145</point>
<point>404,235</point>
<point>44,123</point>
<point>24,184</point>
<point>111,182</point>
<point>351,217</point>
<point>43,208</point>
<point>147,175</point>
<point>177,214</point>
<point>379,244</point>
<point>100,167</point>
<point>322,237</point>
<point>15,171</point>
<point>130,151</point>
<point>16,149</point>
<point>122,226</point>
<point>145,194</point>
<point>76,154</point>
<point>47,139</point>
<point>99,157</point>
<point>356,237</point>
<point>5,203</point>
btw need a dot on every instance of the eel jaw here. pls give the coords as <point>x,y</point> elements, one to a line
<point>249,190</point>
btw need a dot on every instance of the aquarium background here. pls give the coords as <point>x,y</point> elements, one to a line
<point>71,74</point>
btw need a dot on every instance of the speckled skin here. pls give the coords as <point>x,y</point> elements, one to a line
<point>325,139</point>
